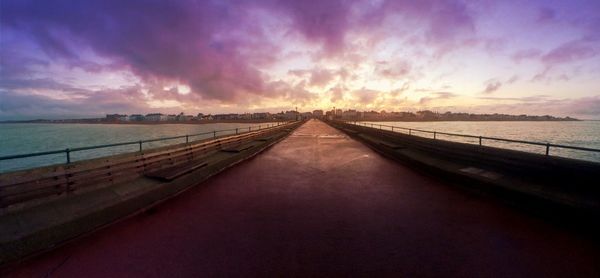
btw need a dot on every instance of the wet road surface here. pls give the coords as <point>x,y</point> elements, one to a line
<point>321,204</point>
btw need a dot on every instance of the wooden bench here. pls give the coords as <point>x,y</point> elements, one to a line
<point>164,163</point>
<point>173,172</point>
<point>238,148</point>
<point>379,141</point>
<point>347,130</point>
<point>391,145</point>
<point>264,139</point>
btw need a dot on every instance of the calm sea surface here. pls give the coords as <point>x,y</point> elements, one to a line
<point>579,133</point>
<point>28,138</point>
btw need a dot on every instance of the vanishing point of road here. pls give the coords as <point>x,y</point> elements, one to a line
<point>321,204</point>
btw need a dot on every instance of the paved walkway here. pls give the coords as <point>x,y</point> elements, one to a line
<point>321,204</point>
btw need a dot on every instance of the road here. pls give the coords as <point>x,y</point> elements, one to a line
<point>321,204</point>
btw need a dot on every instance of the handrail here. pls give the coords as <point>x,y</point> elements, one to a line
<point>481,138</point>
<point>68,151</point>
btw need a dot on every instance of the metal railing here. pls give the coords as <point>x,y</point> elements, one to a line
<point>481,138</point>
<point>140,143</point>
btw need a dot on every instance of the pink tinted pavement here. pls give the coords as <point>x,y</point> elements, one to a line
<point>321,204</point>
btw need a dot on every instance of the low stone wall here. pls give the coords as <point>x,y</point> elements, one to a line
<point>547,183</point>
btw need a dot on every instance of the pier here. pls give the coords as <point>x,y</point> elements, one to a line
<point>320,203</point>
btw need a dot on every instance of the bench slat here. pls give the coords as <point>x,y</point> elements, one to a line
<point>239,148</point>
<point>171,173</point>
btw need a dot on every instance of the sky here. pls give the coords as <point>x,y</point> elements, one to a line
<point>68,59</point>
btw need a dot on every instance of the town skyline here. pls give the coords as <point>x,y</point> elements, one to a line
<point>334,114</point>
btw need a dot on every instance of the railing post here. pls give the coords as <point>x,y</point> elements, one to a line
<point>409,131</point>
<point>187,139</point>
<point>68,152</point>
<point>258,127</point>
<point>479,140</point>
<point>434,135</point>
<point>214,134</point>
<point>547,148</point>
<point>380,127</point>
<point>392,128</point>
<point>140,143</point>
<point>249,128</point>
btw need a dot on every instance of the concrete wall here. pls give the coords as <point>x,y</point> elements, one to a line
<point>526,178</point>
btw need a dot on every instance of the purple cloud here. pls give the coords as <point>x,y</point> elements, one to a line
<point>546,15</point>
<point>492,86</point>
<point>435,96</point>
<point>365,96</point>
<point>337,94</point>
<point>192,42</point>
<point>156,40</point>
<point>393,70</point>
<point>321,77</point>
<point>526,54</point>
<point>18,105</point>
<point>536,98</point>
<point>323,21</point>
<point>569,52</point>
<point>587,106</point>
<point>512,79</point>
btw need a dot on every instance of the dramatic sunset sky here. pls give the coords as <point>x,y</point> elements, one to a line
<point>86,58</point>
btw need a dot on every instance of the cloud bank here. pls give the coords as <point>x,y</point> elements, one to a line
<point>93,57</point>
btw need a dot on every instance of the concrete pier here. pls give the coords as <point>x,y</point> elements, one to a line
<point>321,204</point>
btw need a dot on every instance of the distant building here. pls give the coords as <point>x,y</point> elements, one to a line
<point>225,117</point>
<point>370,115</point>
<point>318,113</point>
<point>261,116</point>
<point>156,117</point>
<point>291,115</point>
<point>329,115</point>
<point>136,118</point>
<point>115,117</point>
<point>350,114</point>
<point>184,118</point>
<point>306,115</point>
<point>426,115</point>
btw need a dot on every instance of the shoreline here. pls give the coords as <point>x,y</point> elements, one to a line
<point>146,123</point>
<point>269,121</point>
